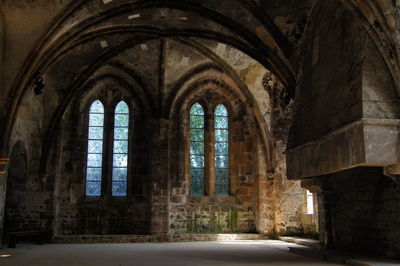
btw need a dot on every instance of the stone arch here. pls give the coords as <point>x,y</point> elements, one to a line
<point>258,40</point>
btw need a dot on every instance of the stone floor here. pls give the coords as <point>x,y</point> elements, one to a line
<point>229,253</point>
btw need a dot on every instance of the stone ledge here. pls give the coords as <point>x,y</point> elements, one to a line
<point>366,142</point>
<point>74,239</point>
<point>301,241</point>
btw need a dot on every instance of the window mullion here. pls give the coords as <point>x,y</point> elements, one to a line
<point>108,147</point>
<point>208,171</point>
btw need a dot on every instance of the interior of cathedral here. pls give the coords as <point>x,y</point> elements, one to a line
<point>185,120</point>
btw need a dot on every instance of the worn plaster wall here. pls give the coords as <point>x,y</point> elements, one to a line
<point>25,23</point>
<point>29,199</point>
<point>290,215</point>
<point>328,99</point>
<point>2,49</point>
<point>379,96</point>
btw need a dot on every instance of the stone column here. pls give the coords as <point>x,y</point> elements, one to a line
<point>326,226</point>
<point>3,186</point>
<point>325,210</point>
<point>159,187</point>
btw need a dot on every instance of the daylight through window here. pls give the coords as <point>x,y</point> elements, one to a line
<point>120,150</point>
<point>95,149</point>
<point>197,150</point>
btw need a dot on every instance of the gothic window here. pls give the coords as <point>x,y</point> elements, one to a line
<point>197,150</point>
<point>95,149</point>
<point>221,144</point>
<point>100,172</point>
<point>209,156</point>
<point>120,150</point>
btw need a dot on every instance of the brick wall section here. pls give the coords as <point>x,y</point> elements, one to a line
<point>366,212</point>
<point>78,214</point>
<point>217,214</point>
<point>158,202</point>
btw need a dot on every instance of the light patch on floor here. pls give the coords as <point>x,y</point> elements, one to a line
<point>232,253</point>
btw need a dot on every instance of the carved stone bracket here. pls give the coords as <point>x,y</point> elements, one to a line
<point>393,171</point>
<point>3,165</point>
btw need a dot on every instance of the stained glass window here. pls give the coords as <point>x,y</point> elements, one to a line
<point>221,145</point>
<point>95,149</point>
<point>197,150</point>
<point>120,150</point>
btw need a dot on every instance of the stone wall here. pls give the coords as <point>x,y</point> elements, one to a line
<point>235,212</point>
<point>347,117</point>
<point>77,214</point>
<point>329,89</point>
<point>365,211</point>
<point>289,198</point>
<point>28,204</point>
<point>155,73</point>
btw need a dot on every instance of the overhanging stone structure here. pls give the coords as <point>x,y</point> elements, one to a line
<point>366,142</point>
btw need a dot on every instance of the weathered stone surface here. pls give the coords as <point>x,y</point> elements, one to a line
<point>311,88</point>
<point>365,211</point>
<point>364,143</point>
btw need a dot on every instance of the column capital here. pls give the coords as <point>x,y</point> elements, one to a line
<point>3,165</point>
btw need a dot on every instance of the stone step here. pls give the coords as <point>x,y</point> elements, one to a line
<point>71,239</point>
<point>301,241</point>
